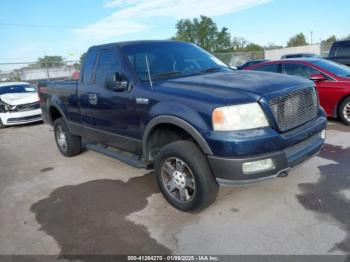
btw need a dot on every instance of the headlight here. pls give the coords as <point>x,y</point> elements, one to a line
<point>239,117</point>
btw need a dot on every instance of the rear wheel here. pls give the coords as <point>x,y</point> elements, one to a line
<point>184,176</point>
<point>68,144</point>
<point>344,111</point>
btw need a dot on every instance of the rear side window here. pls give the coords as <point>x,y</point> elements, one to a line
<point>298,70</point>
<point>89,66</point>
<point>268,68</point>
<point>107,64</point>
<point>342,49</point>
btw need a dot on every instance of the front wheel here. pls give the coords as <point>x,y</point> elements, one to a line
<point>68,144</point>
<point>184,176</point>
<point>1,124</point>
<point>344,111</point>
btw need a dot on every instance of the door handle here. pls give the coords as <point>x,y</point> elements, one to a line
<point>93,99</point>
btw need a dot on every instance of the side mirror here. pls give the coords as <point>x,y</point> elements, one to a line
<point>117,82</point>
<point>317,77</point>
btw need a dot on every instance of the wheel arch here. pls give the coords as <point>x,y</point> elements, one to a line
<point>178,123</point>
<point>337,107</point>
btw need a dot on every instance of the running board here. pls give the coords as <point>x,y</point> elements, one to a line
<point>128,158</point>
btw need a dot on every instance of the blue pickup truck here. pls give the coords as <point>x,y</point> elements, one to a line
<point>172,106</point>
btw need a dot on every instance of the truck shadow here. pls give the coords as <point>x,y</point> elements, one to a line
<point>327,196</point>
<point>90,218</point>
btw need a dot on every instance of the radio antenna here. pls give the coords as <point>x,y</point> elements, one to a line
<point>149,73</point>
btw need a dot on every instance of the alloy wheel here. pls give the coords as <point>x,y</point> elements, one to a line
<point>178,180</point>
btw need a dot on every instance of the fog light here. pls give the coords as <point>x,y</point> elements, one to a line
<point>258,166</point>
<point>323,134</point>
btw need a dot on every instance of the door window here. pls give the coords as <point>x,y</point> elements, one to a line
<point>89,67</point>
<point>299,70</point>
<point>268,68</point>
<point>107,64</point>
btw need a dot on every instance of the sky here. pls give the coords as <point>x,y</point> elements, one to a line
<point>33,28</point>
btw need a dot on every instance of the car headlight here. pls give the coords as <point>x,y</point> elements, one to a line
<point>239,117</point>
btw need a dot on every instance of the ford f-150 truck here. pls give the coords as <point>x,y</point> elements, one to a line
<point>172,106</point>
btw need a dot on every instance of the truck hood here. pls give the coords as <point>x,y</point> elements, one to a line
<point>19,98</point>
<point>244,86</point>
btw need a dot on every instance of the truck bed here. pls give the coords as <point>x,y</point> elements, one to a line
<point>56,90</point>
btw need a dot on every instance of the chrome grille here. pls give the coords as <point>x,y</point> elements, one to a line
<point>294,109</point>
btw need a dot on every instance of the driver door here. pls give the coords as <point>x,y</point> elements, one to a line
<point>110,109</point>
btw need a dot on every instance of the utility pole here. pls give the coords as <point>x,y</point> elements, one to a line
<point>311,33</point>
<point>46,66</point>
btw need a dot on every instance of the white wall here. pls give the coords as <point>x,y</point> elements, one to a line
<point>39,74</point>
<point>277,53</point>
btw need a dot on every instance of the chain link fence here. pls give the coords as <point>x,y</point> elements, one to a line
<point>34,71</point>
<point>239,58</point>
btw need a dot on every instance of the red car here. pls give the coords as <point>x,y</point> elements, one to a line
<point>332,81</point>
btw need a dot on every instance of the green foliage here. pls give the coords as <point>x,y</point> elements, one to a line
<point>297,40</point>
<point>330,40</point>
<point>204,33</point>
<point>82,57</point>
<point>238,44</point>
<point>253,48</point>
<point>48,61</point>
<point>271,46</point>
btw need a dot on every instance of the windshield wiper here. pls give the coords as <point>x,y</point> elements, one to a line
<point>210,70</point>
<point>166,74</point>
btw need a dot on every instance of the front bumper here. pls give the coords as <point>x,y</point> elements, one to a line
<point>229,171</point>
<point>17,118</point>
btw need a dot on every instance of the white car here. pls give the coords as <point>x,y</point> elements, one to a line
<point>19,104</point>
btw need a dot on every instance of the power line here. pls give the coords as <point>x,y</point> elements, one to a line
<point>38,62</point>
<point>75,27</point>
<point>116,28</point>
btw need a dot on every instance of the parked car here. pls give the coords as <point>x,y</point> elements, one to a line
<point>340,52</point>
<point>332,81</point>
<point>19,104</point>
<point>252,62</point>
<point>174,106</point>
<point>299,55</point>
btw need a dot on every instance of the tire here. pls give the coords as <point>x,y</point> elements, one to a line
<point>344,111</point>
<point>68,144</point>
<point>182,164</point>
<point>1,124</point>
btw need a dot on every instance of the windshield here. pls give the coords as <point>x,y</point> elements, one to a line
<point>16,89</point>
<point>171,59</point>
<point>334,68</point>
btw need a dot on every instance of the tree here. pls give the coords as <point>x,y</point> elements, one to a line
<point>238,44</point>
<point>82,57</point>
<point>253,48</point>
<point>330,40</point>
<point>271,45</point>
<point>204,33</point>
<point>49,61</point>
<point>297,40</point>
<point>185,31</point>
<point>223,42</point>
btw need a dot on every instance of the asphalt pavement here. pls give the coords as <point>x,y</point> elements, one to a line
<point>93,204</point>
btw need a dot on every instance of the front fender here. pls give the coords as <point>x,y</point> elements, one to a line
<point>179,115</point>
